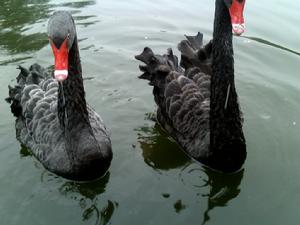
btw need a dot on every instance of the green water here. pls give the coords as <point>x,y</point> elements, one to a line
<point>150,180</point>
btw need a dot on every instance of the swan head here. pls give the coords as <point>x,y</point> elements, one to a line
<point>236,9</point>
<point>61,34</point>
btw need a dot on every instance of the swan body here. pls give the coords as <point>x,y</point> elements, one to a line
<point>53,119</point>
<point>197,104</point>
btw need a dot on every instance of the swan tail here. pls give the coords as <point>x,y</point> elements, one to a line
<point>34,75</point>
<point>14,100</point>
<point>196,42</point>
<point>160,70</point>
<point>194,54</point>
<point>183,107</point>
<point>157,67</point>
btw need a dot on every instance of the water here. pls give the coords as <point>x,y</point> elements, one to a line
<point>150,180</point>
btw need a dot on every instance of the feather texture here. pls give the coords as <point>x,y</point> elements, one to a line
<point>53,119</point>
<point>37,125</point>
<point>182,100</point>
<point>198,104</point>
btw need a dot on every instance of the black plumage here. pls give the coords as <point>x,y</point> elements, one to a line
<point>198,104</point>
<point>53,119</point>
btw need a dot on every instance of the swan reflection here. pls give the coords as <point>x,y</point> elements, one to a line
<point>214,189</point>
<point>159,151</point>
<point>89,202</point>
<point>86,194</point>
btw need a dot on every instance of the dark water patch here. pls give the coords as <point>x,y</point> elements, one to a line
<point>158,150</point>
<point>88,47</point>
<point>222,189</point>
<point>179,206</point>
<point>79,4</point>
<point>87,195</point>
<point>82,39</point>
<point>24,151</point>
<point>14,60</point>
<point>166,195</point>
<point>19,43</point>
<point>79,18</point>
<point>88,78</point>
<point>86,24</point>
<point>217,188</point>
<point>19,14</point>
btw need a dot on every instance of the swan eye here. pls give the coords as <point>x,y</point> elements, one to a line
<point>68,36</point>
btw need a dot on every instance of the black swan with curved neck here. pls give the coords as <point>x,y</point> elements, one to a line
<point>53,119</point>
<point>198,106</point>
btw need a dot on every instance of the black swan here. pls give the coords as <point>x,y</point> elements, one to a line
<point>53,119</point>
<point>199,106</point>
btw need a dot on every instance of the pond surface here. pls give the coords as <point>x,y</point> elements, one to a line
<point>150,180</point>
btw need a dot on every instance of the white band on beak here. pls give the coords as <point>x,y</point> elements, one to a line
<point>61,75</point>
<point>61,72</point>
<point>238,28</point>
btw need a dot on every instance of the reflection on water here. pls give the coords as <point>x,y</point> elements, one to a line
<point>16,18</point>
<point>86,194</point>
<point>23,23</point>
<point>77,4</point>
<point>24,152</point>
<point>266,42</point>
<point>222,189</point>
<point>85,21</point>
<point>90,192</point>
<point>159,151</point>
<point>165,187</point>
<point>14,60</point>
<point>179,206</point>
<point>218,188</point>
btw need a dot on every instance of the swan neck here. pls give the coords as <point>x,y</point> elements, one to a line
<point>222,39</point>
<point>72,110</point>
<point>222,80</point>
<point>225,116</point>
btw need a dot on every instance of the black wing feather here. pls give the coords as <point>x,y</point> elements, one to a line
<point>183,107</point>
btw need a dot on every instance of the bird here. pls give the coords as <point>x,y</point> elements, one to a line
<point>197,102</point>
<point>53,120</point>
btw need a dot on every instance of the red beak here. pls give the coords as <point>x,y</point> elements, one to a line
<point>237,19</point>
<point>61,56</point>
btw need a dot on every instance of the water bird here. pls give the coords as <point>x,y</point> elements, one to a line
<point>52,117</point>
<point>197,100</point>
